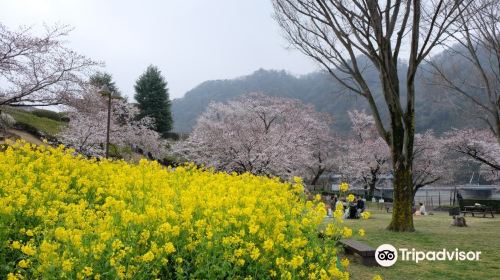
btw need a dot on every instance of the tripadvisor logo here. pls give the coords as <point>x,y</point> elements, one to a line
<point>386,255</point>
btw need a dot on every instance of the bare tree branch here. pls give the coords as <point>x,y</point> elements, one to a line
<point>338,34</point>
<point>478,43</point>
<point>39,70</point>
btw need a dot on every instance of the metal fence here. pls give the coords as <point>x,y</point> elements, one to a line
<point>436,198</point>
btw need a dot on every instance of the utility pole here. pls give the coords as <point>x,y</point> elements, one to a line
<point>104,91</point>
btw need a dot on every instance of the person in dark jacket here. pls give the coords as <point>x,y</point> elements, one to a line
<point>360,205</point>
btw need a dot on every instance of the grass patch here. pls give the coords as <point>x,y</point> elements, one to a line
<point>432,233</point>
<point>45,125</point>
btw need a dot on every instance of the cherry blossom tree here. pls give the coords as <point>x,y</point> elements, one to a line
<point>263,135</point>
<point>39,70</point>
<point>324,150</point>
<point>432,162</point>
<point>477,145</point>
<point>86,131</point>
<point>6,121</point>
<point>367,155</point>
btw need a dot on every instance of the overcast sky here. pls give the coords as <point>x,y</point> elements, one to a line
<point>189,40</point>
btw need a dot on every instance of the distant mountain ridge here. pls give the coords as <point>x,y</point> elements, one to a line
<point>319,89</point>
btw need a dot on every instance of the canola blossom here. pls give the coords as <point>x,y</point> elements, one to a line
<point>366,215</point>
<point>63,216</point>
<point>344,187</point>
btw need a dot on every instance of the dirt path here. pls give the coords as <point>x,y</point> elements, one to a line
<point>14,134</point>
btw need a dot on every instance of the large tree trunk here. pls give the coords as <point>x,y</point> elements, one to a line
<point>317,175</point>
<point>371,191</point>
<point>373,181</point>
<point>403,131</point>
<point>497,113</point>
<point>366,185</point>
<point>402,216</point>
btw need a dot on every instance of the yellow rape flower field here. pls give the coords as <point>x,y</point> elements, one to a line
<point>63,216</point>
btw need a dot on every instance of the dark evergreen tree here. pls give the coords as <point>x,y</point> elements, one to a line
<point>99,79</point>
<point>153,100</point>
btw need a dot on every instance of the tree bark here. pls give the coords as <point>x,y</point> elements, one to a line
<point>402,216</point>
<point>497,121</point>
<point>373,181</point>
<point>371,192</point>
<point>316,177</point>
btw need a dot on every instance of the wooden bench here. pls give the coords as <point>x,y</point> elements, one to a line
<point>478,209</point>
<point>366,252</point>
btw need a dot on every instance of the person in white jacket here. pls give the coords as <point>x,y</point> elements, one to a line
<point>422,209</point>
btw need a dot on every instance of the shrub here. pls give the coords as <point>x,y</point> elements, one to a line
<point>6,121</point>
<point>28,128</point>
<point>64,116</point>
<point>64,216</point>
<point>172,136</point>
<point>42,113</point>
<point>172,160</point>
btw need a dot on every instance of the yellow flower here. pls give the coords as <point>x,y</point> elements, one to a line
<point>343,187</point>
<point>169,248</point>
<point>117,244</point>
<point>346,232</point>
<point>365,215</point>
<point>16,245</point>
<point>28,250</point>
<point>240,262</point>
<point>12,276</point>
<point>87,271</point>
<point>149,256</point>
<point>253,229</point>
<point>268,245</point>
<point>176,231</point>
<point>338,213</point>
<point>350,198</point>
<point>23,263</point>
<point>296,261</point>
<point>330,230</point>
<point>361,232</point>
<point>280,261</point>
<point>281,237</point>
<point>136,216</point>
<point>67,265</point>
<point>345,262</point>
<point>377,277</point>
<point>238,252</point>
<point>60,233</point>
<point>255,253</point>
<point>297,180</point>
<point>145,236</point>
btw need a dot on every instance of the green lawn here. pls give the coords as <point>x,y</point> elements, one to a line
<point>432,233</point>
<point>45,125</point>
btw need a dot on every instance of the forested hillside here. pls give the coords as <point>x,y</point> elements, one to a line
<point>434,107</point>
